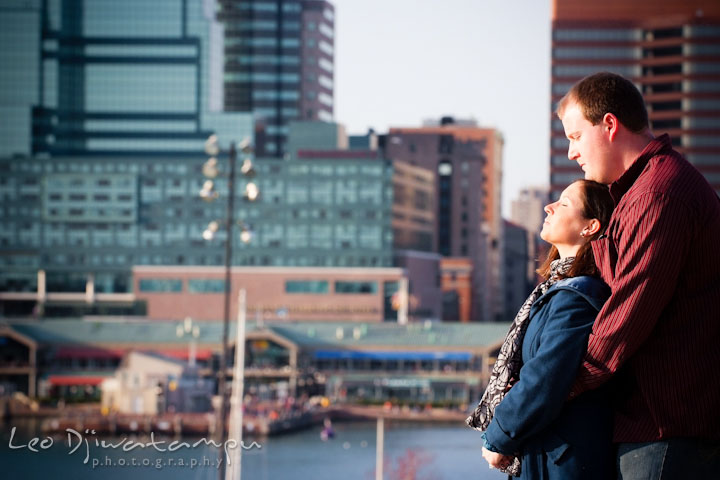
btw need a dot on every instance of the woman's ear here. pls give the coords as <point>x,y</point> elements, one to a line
<point>592,227</point>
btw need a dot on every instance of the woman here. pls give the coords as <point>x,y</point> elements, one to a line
<point>523,412</point>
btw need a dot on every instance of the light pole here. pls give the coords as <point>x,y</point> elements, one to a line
<point>208,193</point>
<point>187,328</point>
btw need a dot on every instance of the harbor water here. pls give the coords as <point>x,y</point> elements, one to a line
<point>435,451</point>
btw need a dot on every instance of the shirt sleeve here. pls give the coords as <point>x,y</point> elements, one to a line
<point>545,378</point>
<point>654,242</point>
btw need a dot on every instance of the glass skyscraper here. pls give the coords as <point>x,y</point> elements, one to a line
<point>279,64</point>
<point>101,77</point>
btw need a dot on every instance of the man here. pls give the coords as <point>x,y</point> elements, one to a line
<point>658,336</point>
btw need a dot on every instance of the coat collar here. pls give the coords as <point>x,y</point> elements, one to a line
<point>592,289</point>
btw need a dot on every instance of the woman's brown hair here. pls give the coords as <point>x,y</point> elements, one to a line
<point>598,204</point>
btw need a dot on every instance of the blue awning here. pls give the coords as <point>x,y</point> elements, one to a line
<point>391,355</point>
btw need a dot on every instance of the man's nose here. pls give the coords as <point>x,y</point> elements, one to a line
<point>572,153</point>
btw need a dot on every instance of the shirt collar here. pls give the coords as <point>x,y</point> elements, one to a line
<point>620,186</point>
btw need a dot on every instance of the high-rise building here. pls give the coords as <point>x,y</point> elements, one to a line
<point>104,110</point>
<point>279,64</point>
<point>669,48</point>
<point>516,286</point>
<point>468,163</point>
<point>413,210</point>
<point>527,210</point>
<point>107,78</point>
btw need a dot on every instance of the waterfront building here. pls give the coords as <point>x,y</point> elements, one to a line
<point>467,161</point>
<point>76,226</point>
<point>279,64</point>
<point>669,48</point>
<point>147,383</point>
<point>421,363</point>
<point>358,294</point>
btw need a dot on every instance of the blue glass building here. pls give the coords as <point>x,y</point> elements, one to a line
<point>101,77</point>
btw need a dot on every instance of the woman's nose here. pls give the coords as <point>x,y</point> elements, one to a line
<point>548,208</point>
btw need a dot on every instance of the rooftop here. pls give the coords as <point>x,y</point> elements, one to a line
<point>310,335</point>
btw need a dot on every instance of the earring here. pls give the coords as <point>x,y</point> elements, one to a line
<point>583,234</point>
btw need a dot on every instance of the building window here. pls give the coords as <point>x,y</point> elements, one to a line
<point>160,285</point>
<point>355,287</point>
<point>306,286</point>
<point>206,285</point>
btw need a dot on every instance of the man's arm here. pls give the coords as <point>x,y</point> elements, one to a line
<point>654,244</point>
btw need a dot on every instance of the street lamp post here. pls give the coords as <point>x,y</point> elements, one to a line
<point>187,328</point>
<point>208,193</point>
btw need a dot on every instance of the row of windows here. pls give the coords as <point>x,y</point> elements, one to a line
<point>322,287</point>
<point>98,167</point>
<point>144,88</point>
<point>700,31</point>
<point>598,34</point>
<point>131,18</point>
<point>261,77</point>
<point>139,50</point>
<point>700,67</point>
<point>175,285</point>
<point>584,70</point>
<point>262,25</point>
<point>266,59</point>
<point>596,52</point>
<point>270,42</point>
<point>275,95</point>
<point>285,112</point>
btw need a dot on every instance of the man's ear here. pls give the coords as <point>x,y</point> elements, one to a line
<point>610,125</point>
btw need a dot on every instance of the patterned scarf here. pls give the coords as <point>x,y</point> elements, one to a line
<point>506,370</point>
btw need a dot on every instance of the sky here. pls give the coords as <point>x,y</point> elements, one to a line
<point>399,62</point>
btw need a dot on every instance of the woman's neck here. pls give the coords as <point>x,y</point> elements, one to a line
<point>567,250</point>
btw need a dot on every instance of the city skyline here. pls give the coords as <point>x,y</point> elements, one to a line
<point>487,60</point>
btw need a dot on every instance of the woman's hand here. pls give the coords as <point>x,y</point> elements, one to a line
<point>497,460</point>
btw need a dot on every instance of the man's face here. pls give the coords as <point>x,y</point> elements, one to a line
<point>589,145</point>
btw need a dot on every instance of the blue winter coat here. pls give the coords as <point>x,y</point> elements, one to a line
<point>557,439</point>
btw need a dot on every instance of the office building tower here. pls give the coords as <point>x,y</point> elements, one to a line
<point>669,48</point>
<point>516,285</point>
<point>413,210</point>
<point>279,64</point>
<point>527,211</point>
<point>98,77</point>
<point>468,165</point>
<point>104,111</point>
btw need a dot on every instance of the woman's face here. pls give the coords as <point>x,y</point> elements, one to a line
<point>564,222</point>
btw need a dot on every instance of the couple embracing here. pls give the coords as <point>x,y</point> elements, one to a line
<point>611,368</point>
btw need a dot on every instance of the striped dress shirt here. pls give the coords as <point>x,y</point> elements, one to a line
<point>658,335</point>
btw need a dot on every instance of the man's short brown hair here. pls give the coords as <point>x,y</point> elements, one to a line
<point>607,92</point>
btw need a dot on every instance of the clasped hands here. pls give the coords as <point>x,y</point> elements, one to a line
<point>497,460</point>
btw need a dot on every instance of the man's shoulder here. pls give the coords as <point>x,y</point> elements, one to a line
<point>670,175</point>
